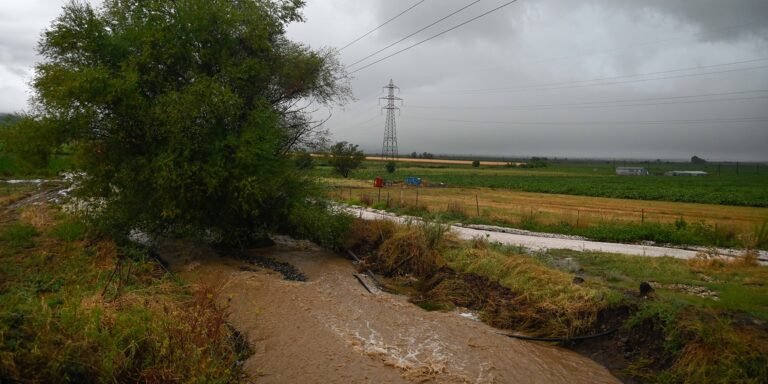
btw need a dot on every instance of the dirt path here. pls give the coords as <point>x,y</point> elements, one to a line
<point>331,330</point>
<point>547,241</point>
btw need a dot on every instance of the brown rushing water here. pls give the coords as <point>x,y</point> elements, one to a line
<point>331,330</point>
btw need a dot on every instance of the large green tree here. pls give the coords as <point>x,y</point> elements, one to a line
<point>183,112</point>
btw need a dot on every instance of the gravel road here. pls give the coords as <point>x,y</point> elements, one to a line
<point>543,241</point>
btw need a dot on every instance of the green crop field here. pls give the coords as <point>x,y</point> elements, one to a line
<point>722,186</point>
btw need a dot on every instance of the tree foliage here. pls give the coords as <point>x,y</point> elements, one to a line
<point>698,160</point>
<point>391,167</point>
<point>345,157</point>
<point>183,112</point>
<point>33,141</point>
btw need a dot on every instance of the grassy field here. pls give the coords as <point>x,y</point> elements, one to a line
<point>747,188</point>
<point>599,218</point>
<point>80,308</point>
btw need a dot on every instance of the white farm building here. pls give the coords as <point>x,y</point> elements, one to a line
<point>632,171</point>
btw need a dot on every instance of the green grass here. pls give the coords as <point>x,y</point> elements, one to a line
<point>18,235</point>
<point>748,188</point>
<point>741,289</point>
<point>68,315</point>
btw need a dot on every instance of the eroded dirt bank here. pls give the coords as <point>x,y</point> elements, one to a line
<point>331,330</point>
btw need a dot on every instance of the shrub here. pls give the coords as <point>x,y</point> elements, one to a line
<point>391,167</point>
<point>317,223</point>
<point>476,163</point>
<point>303,160</point>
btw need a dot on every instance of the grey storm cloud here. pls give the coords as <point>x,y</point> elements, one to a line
<point>517,82</point>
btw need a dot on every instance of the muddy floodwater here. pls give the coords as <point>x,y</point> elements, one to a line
<point>330,329</point>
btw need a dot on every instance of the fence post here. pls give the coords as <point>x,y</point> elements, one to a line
<point>477,204</point>
<point>417,198</point>
<point>642,216</point>
<point>578,217</point>
<point>379,199</point>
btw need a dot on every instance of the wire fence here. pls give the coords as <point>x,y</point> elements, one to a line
<point>467,203</point>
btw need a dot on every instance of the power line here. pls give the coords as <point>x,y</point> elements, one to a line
<point>613,103</point>
<point>383,24</point>
<point>711,32</point>
<point>514,90</point>
<point>414,33</point>
<point>552,85</point>
<point>566,123</point>
<point>434,36</point>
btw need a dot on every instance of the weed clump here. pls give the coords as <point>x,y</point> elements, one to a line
<point>366,236</point>
<point>709,348</point>
<point>409,252</point>
<point>533,297</point>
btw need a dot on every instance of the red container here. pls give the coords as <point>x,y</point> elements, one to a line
<point>378,182</point>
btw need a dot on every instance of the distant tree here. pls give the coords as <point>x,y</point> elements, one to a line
<point>697,160</point>
<point>33,141</point>
<point>476,163</point>
<point>304,160</point>
<point>345,157</point>
<point>427,155</point>
<point>414,155</point>
<point>391,167</point>
<point>183,114</point>
<point>539,162</point>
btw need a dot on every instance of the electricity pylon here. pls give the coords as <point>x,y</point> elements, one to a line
<point>389,147</point>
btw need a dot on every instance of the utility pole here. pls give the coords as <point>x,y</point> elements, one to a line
<point>389,147</point>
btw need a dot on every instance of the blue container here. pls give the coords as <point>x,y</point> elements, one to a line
<point>415,181</point>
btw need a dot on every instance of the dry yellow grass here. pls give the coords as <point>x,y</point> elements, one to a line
<point>506,205</point>
<point>37,215</point>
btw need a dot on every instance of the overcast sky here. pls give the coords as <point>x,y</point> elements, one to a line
<point>590,78</point>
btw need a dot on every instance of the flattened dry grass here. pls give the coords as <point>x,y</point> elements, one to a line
<point>547,302</point>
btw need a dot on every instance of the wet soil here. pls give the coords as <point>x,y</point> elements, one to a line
<point>330,329</point>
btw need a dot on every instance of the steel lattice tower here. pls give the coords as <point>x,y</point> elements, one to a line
<point>389,147</point>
